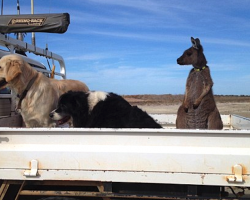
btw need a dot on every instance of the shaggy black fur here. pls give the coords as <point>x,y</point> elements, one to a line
<point>112,112</point>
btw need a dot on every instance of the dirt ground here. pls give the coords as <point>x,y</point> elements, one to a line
<point>242,109</point>
<point>169,104</point>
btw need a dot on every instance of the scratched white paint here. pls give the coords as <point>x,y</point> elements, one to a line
<point>126,155</point>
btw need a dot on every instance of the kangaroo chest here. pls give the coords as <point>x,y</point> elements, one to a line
<point>195,85</point>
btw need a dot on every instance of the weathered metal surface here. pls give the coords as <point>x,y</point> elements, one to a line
<point>110,190</point>
<point>202,157</point>
<point>239,122</point>
<point>3,189</point>
<point>12,121</point>
<point>237,177</point>
<point>32,172</point>
<point>97,194</point>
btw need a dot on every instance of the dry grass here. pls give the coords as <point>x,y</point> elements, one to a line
<point>168,104</point>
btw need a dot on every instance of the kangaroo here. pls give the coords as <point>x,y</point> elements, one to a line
<point>198,109</point>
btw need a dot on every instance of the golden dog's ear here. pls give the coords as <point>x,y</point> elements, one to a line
<point>12,70</point>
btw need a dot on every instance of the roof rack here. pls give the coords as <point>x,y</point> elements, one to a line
<point>13,44</point>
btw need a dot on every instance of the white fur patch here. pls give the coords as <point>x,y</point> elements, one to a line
<point>94,97</point>
<point>56,116</point>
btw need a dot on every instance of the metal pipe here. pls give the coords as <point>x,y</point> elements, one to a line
<point>18,7</point>
<point>19,35</point>
<point>2,8</point>
<point>33,34</point>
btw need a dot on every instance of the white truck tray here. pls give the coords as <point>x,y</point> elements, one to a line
<point>170,156</point>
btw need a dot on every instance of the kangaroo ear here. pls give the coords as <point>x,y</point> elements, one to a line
<point>195,43</point>
<point>12,70</point>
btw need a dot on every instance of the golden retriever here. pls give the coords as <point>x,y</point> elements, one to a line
<point>42,93</point>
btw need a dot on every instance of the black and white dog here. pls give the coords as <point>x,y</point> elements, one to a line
<point>100,110</point>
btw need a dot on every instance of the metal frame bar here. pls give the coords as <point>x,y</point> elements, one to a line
<point>12,43</point>
<point>3,189</point>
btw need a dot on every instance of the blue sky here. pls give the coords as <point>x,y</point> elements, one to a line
<point>131,46</point>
